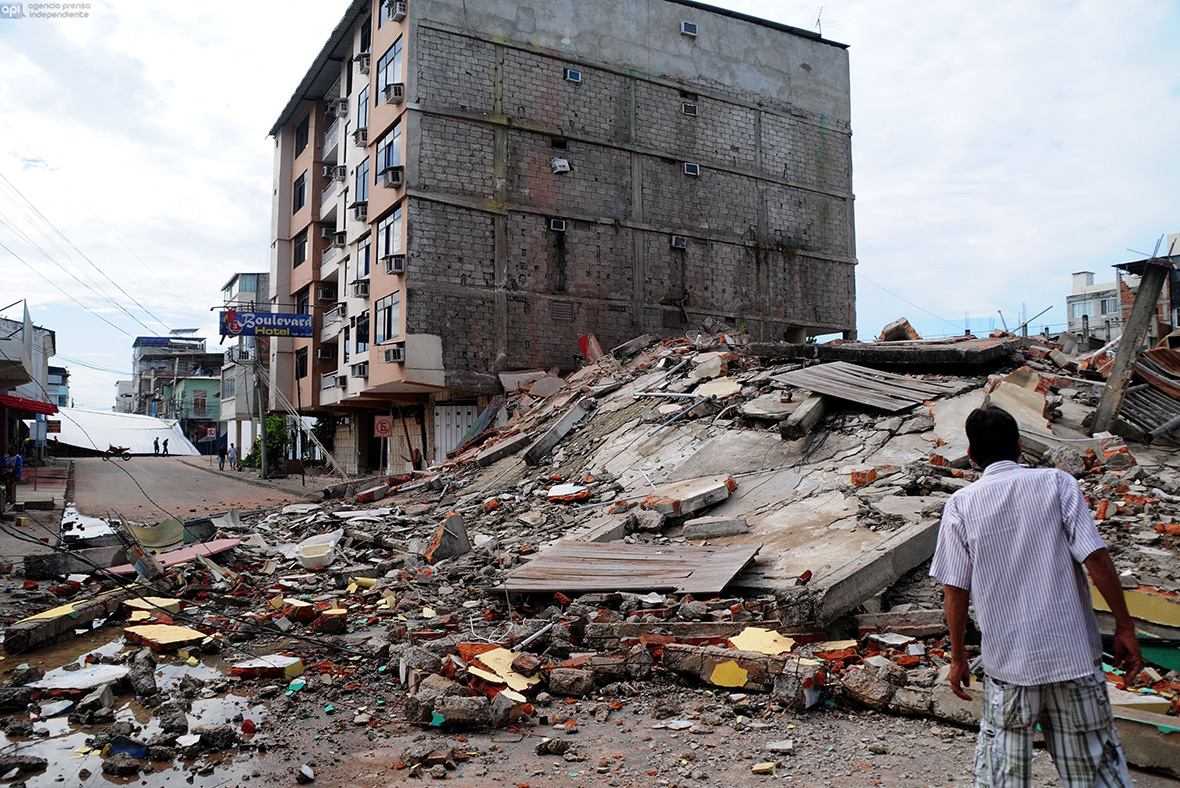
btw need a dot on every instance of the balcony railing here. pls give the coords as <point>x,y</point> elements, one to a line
<point>329,190</point>
<point>332,136</point>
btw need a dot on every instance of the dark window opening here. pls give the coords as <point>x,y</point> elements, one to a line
<point>301,363</point>
<point>302,135</point>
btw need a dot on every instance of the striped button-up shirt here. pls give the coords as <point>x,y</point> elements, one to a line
<point>1016,540</point>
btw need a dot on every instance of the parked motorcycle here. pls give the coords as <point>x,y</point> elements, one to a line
<point>117,451</point>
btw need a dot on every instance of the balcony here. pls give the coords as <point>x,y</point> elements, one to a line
<point>331,142</point>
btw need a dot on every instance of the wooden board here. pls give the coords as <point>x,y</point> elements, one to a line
<point>585,567</point>
<point>182,555</point>
<point>871,387</point>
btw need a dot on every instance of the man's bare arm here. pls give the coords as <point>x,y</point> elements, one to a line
<point>1126,645</point>
<point>956,600</point>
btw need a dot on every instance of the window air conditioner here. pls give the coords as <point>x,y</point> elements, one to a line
<point>339,239</point>
<point>361,207</point>
<point>360,370</point>
<point>692,169</point>
<point>394,263</point>
<point>338,107</point>
<point>326,353</point>
<point>688,29</point>
<point>361,136</point>
<point>362,62</point>
<point>679,242</point>
<point>395,93</point>
<point>572,75</point>
<point>360,289</point>
<point>395,354</point>
<point>327,232</point>
<point>393,177</point>
<point>557,225</point>
<point>325,293</point>
<point>688,108</point>
<point>397,9</point>
<point>341,381</point>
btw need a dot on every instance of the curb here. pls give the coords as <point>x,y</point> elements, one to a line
<point>258,482</point>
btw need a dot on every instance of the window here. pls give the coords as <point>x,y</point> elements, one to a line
<point>301,135</point>
<point>362,181</point>
<point>347,334</point>
<point>389,149</point>
<point>299,249</point>
<point>367,35</point>
<point>248,283</point>
<point>1109,306</point>
<point>299,198</point>
<point>200,400</point>
<point>228,387</point>
<point>364,252</point>
<point>389,234</point>
<point>303,301</point>
<point>301,363</point>
<point>389,318</point>
<point>389,68</point>
<point>362,332</point>
<point>362,109</point>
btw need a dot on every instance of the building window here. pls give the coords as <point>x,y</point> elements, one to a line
<point>362,181</point>
<point>364,251</point>
<point>228,388</point>
<point>362,109</point>
<point>248,283</point>
<point>1109,306</point>
<point>389,149</point>
<point>347,348</point>
<point>389,318</point>
<point>199,404</point>
<point>303,301</point>
<point>299,249</point>
<point>389,68</point>
<point>389,234</point>
<point>301,363</point>
<point>362,332</point>
<point>367,35</point>
<point>299,198</point>
<point>301,135</point>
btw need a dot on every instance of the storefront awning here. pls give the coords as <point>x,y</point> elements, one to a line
<point>27,405</point>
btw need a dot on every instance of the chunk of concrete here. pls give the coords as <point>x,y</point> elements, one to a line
<point>866,689</point>
<point>101,698</point>
<point>547,442</point>
<point>899,330</point>
<point>715,527</point>
<point>637,345</point>
<point>768,408</point>
<point>449,540</point>
<point>571,683</point>
<point>456,711</point>
<point>684,498</point>
<point>502,449</point>
<point>803,419</point>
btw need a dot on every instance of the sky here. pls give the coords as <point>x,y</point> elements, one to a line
<point>997,148</point>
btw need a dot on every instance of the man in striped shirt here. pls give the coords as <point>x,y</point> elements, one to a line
<point>1014,543</point>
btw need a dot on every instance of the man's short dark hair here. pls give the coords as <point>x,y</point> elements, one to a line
<point>993,436</point>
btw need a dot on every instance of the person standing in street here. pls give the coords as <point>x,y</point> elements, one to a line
<point>1015,543</point>
<point>233,458</point>
<point>156,446</point>
<point>165,447</point>
<point>221,456</point>
<point>10,470</point>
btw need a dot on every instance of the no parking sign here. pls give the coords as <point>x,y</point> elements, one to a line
<point>382,426</point>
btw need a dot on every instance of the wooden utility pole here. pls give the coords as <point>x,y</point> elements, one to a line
<point>1155,274</point>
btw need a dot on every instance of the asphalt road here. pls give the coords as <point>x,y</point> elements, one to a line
<point>151,489</point>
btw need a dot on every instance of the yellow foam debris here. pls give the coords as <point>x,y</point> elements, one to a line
<point>486,675</point>
<point>1156,608</point>
<point>140,615</point>
<point>154,604</point>
<point>293,602</point>
<point>499,661</point>
<point>429,612</point>
<point>762,641</point>
<point>165,636</point>
<point>365,582</point>
<point>729,674</point>
<point>766,767</point>
<point>55,612</point>
<point>833,645</point>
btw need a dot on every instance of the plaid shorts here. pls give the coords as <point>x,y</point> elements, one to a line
<point>1079,731</point>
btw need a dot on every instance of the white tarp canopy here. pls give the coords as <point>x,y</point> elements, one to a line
<point>98,429</point>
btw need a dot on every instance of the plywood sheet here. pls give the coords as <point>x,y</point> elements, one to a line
<point>871,387</point>
<point>586,567</point>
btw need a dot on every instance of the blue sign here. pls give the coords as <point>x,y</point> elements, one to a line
<point>264,324</point>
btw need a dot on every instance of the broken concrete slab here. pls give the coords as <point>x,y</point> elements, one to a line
<point>770,408</point>
<point>924,354</point>
<point>914,623</point>
<point>637,345</point>
<point>683,498</point>
<point>504,448</point>
<point>1151,741</point>
<point>547,442</point>
<point>45,566</point>
<point>163,637</point>
<point>721,388</point>
<point>714,527</point>
<point>803,419</point>
<point>899,330</point>
<point>85,680</point>
<point>60,623</point>
<point>449,540</point>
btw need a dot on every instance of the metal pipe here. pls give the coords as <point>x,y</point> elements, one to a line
<point>660,379</point>
<point>687,409</point>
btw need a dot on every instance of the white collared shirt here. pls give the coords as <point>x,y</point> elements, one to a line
<point>1016,539</point>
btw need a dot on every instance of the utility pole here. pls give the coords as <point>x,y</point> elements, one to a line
<point>1155,273</point>
<point>261,415</point>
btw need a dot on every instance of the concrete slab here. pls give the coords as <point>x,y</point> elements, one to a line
<point>684,498</point>
<point>714,527</point>
<point>547,442</point>
<point>502,449</point>
<point>770,407</point>
<point>949,417</point>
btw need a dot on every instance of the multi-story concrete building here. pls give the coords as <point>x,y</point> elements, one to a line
<point>1094,308</point>
<point>463,189</point>
<point>240,397</point>
<point>158,362</point>
<point>59,386</point>
<point>25,350</point>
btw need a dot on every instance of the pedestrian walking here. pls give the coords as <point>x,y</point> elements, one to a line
<point>233,458</point>
<point>165,447</point>
<point>10,471</point>
<point>221,457</point>
<point>156,446</point>
<point>1015,543</point>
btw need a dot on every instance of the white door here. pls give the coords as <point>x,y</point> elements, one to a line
<point>451,423</point>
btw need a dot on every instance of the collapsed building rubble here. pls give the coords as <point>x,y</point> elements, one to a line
<point>688,513</point>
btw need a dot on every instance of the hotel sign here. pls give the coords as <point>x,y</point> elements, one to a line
<point>264,324</point>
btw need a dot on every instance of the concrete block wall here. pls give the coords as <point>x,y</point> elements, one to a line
<point>451,245</point>
<point>535,88</point>
<point>465,317</point>
<point>808,152</point>
<point>715,201</point>
<point>456,157</point>
<point>721,132</point>
<point>588,260</point>
<point>598,184</point>
<point>544,329</point>
<point>455,71</point>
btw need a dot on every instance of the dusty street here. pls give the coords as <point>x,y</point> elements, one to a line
<point>170,486</point>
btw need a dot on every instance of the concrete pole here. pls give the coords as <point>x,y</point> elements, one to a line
<point>1130,344</point>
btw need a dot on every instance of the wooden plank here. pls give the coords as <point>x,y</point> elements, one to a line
<point>582,567</point>
<point>883,390</point>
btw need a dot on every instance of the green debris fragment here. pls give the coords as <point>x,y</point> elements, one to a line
<point>436,719</point>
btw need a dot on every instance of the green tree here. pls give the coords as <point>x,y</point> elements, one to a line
<point>277,439</point>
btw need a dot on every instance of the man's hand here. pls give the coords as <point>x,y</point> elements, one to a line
<point>960,677</point>
<point>1127,654</point>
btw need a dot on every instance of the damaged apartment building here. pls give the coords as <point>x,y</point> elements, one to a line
<point>463,190</point>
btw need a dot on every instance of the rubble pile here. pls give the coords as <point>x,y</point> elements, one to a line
<point>680,516</point>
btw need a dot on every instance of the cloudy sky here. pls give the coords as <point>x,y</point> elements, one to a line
<point>997,147</point>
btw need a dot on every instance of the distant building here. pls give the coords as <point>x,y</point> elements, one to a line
<point>239,403</point>
<point>124,396</point>
<point>24,376</point>
<point>163,368</point>
<point>59,386</point>
<point>1094,309</point>
<point>1167,317</point>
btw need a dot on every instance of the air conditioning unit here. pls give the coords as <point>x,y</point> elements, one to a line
<point>572,75</point>
<point>394,263</point>
<point>360,370</point>
<point>692,169</point>
<point>360,290</point>
<point>393,177</point>
<point>339,239</point>
<point>361,136</point>
<point>341,381</point>
<point>560,166</point>
<point>395,354</point>
<point>325,293</point>
<point>689,108</point>
<point>335,173</point>
<point>326,353</point>
<point>679,242</point>
<point>557,225</point>
<point>688,29</point>
<point>395,93</point>
<point>327,232</point>
<point>397,9</point>
<point>361,208</point>
<point>362,62</point>
<point>336,313</point>
<point>338,107</point>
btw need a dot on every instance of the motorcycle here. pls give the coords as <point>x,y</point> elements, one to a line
<point>117,451</point>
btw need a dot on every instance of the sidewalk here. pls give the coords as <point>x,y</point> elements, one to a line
<point>42,509</point>
<point>290,484</point>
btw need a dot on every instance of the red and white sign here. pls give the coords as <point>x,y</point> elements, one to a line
<point>210,432</point>
<point>382,426</point>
